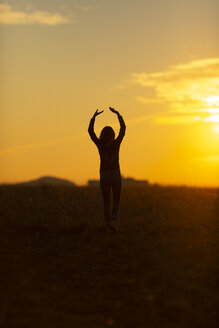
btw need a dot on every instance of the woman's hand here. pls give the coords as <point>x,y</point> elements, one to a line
<point>114,111</point>
<point>97,113</point>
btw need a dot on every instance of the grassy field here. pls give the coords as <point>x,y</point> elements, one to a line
<point>60,268</point>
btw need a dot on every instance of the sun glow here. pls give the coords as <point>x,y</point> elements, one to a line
<point>212,118</point>
<point>212,110</point>
<point>216,128</point>
<point>212,100</point>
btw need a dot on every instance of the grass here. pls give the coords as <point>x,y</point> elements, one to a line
<point>61,268</point>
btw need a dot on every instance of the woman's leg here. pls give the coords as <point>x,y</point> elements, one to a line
<point>116,188</point>
<point>106,195</point>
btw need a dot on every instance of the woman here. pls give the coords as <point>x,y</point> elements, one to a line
<point>110,176</point>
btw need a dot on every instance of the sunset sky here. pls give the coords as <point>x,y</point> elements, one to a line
<point>157,62</point>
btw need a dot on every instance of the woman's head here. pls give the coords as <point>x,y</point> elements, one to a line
<point>107,135</point>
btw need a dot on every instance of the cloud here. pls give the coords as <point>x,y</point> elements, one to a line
<point>9,16</point>
<point>176,120</point>
<point>185,90</point>
<point>144,100</point>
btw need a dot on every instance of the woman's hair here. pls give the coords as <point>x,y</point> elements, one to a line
<point>107,134</point>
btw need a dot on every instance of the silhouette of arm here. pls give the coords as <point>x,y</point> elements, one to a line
<point>91,131</point>
<point>91,128</point>
<point>122,128</point>
<point>122,125</point>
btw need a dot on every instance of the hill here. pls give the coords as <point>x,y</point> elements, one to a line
<point>48,181</point>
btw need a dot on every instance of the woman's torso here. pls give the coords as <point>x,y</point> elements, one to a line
<point>109,157</point>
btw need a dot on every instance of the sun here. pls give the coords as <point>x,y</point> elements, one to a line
<point>216,128</point>
<point>212,100</point>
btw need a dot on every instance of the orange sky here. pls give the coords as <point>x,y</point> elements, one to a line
<point>156,62</point>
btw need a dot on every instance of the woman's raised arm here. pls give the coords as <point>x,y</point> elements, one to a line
<point>91,127</point>
<point>122,125</point>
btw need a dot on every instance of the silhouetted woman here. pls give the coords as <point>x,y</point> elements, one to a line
<point>110,176</point>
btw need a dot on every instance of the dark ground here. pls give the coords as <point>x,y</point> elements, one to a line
<point>60,268</point>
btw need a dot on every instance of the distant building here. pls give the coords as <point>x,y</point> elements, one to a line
<point>130,180</point>
<point>125,181</point>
